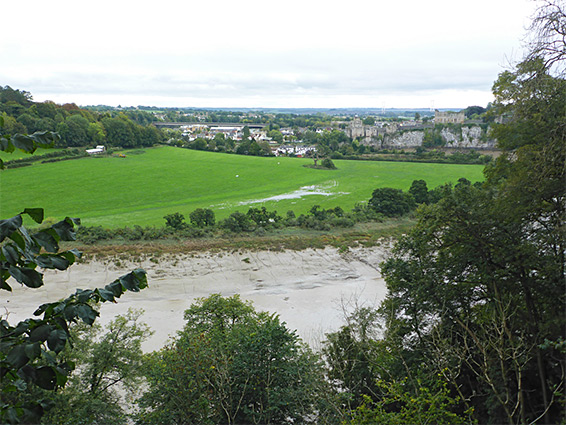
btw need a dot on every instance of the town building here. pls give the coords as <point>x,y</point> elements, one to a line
<point>448,117</point>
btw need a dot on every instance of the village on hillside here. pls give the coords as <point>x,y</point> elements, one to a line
<point>380,134</point>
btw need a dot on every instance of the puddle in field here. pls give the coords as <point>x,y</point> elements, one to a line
<point>320,190</point>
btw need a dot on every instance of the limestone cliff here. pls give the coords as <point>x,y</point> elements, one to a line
<point>466,137</point>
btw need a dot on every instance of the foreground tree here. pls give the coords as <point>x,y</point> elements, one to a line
<point>107,372</point>
<point>230,364</point>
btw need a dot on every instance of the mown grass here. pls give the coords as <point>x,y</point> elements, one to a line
<point>141,188</point>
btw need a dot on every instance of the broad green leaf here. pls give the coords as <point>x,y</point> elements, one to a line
<point>6,145</point>
<point>21,328</point>
<point>87,313</point>
<point>45,139</point>
<point>19,240</point>
<point>48,239</point>
<point>10,225</point>
<point>33,350</point>
<point>3,284</point>
<point>29,277</point>
<point>62,372</point>
<point>134,281</point>
<point>106,295</point>
<point>44,308</point>
<point>52,261</point>
<point>17,356</point>
<point>83,295</point>
<point>46,378</point>
<point>11,254</point>
<point>71,255</point>
<point>115,287</point>
<point>36,214</point>
<point>24,143</point>
<point>141,276</point>
<point>65,229</point>
<point>40,333</point>
<point>56,340</point>
<point>31,245</point>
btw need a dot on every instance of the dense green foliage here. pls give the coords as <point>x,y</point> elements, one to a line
<point>471,331</point>
<point>477,288</point>
<point>29,351</point>
<point>230,364</point>
<point>107,372</point>
<point>76,127</point>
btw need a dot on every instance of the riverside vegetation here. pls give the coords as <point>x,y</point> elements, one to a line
<point>472,329</point>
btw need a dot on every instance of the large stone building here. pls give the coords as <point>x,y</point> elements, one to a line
<point>447,117</point>
<point>357,130</point>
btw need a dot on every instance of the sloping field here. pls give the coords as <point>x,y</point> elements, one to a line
<point>146,185</point>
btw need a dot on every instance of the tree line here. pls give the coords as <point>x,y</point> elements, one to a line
<point>76,127</point>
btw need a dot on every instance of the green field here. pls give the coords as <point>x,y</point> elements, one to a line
<point>143,187</point>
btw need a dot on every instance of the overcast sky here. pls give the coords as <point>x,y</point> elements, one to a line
<point>261,53</point>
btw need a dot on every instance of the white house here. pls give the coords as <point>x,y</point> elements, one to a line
<point>97,150</point>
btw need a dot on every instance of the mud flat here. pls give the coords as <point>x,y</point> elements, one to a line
<point>308,289</point>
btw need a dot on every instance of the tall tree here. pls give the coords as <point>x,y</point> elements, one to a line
<point>477,289</point>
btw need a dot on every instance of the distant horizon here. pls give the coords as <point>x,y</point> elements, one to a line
<point>210,104</point>
<point>265,108</point>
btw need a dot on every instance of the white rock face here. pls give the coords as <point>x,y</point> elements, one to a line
<point>410,139</point>
<point>471,137</point>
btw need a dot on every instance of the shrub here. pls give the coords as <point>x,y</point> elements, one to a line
<point>202,217</point>
<point>327,163</point>
<point>175,221</point>
<point>237,222</point>
<point>391,202</point>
